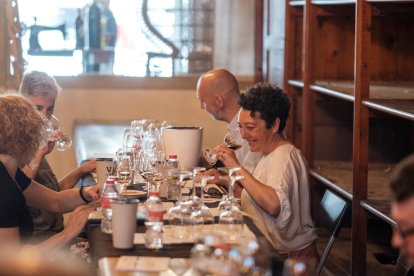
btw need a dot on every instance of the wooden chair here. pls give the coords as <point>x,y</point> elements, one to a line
<point>330,215</point>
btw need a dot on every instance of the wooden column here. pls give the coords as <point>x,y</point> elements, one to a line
<point>289,70</point>
<point>258,41</point>
<point>12,45</point>
<point>360,139</point>
<point>3,45</point>
<point>308,106</point>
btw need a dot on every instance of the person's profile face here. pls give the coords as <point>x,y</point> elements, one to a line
<point>403,235</point>
<point>44,105</point>
<point>207,103</point>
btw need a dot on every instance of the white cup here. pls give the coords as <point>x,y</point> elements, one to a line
<point>104,168</point>
<point>124,222</point>
<point>185,142</point>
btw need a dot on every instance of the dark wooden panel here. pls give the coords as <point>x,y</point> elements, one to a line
<point>392,55</point>
<point>334,48</point>
<point>297,45</point>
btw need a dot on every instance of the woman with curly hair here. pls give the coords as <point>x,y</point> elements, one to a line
<point>22,130</point>
<point>276,194</point>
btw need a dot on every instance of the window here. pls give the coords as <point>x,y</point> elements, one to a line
<point>122,37</point>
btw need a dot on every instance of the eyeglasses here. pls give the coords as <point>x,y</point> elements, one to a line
<point>404,233</point>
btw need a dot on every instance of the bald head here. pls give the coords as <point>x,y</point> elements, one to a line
<point>218,91</point>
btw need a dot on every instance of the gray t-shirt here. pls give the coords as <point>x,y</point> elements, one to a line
<point>44,220</point>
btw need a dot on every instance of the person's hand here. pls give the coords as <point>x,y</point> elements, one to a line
<point>226,155</point>
<point>77,220</point>
<point>210,172</point>
<point>56,135</point>
<point>46,148</point>
<point>50,143</point>
<point>237,190</point>
<point>88,167</point>
<point>93,192</point>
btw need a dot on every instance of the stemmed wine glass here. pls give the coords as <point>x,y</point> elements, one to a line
<point>180,215</point>
<point>125,165</point>
<point>54,133</point>
<point>231,217</point>
<point>150,172</point>
<point>194,199</point>
<point>230,142</point>
<point>202,215</point>
<point>230,201</point>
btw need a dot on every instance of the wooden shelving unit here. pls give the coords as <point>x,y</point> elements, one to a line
<point>349,68</point>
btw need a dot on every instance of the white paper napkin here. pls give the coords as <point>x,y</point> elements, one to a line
<point>147,264</point>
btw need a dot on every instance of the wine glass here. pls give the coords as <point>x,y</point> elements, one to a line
<point>202,215</point>
<point>231,220</point>
<point>194,199</point>
<point>204,210</point>
<point>54,133</point>
<point>180,265</point>
<point>124,170</point>
<point>230,142</point>
<point>230,201</point>
<point>180,215</point>
<point>149,171</point>
<point>211,157</point>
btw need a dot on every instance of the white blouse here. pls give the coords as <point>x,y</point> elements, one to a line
<point>284,169</point>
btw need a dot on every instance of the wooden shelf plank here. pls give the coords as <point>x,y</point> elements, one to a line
<point>333,2</point>
<point>380,208</point>
<point>296,83</point>
<point>330,184</point>
<point>337,93</point>
<point>390,1</point>
<point>399,108</point>
<point>401,90</point>
<point>296,3</point>
<point>337,175</point>
<point>395,98</point>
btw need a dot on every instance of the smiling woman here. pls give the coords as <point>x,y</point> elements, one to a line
<point>277,194</point>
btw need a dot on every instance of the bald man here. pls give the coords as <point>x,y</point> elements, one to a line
<point>218,93</point>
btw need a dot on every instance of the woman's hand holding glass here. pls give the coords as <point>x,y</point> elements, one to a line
<point>226,155</point>
<point>211,156</point>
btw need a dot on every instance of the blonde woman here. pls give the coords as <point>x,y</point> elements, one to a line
<point>21,132</point>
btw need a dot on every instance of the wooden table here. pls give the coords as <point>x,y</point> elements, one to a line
<point>101,247</point>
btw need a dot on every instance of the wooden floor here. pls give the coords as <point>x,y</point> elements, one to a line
<point>339,260</point>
